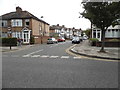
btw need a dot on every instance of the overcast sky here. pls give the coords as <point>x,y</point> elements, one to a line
<point>63,12</point>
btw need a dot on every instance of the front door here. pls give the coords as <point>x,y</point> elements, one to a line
<point>26,37</point>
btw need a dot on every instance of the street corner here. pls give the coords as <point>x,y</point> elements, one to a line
<point>73,51</point>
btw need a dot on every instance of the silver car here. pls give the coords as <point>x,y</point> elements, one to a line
<point>52,41</point>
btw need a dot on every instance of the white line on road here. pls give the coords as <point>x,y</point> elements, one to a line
<point>77,57</point>
<point>64,56</point>
<point>35,56</point>
<point>54,56</point>
<point>35,52</point>
<point>26,56</point>
<point>44,56</point>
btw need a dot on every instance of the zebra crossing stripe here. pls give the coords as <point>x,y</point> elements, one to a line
<point>64,56</point>
<point>44,56</point>
<point>35,56</point>
<point>76,57</point>
<point>54,56</point>
<point>47,56</point>
<point>26,56</point>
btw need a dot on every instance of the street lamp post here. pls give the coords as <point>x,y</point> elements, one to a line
<point>41,32</point>
<point>73,31</point>
<point>10,35</point>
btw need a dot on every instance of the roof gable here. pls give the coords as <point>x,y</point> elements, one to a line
<point>20,15</point>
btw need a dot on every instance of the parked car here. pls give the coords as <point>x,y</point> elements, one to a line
<point>52,41</point>
<point>61,40</point>
<point>76,40</point>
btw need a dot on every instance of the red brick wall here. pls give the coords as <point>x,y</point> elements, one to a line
<point>38,39</point>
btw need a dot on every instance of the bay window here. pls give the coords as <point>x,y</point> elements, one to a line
<point>16,23</point>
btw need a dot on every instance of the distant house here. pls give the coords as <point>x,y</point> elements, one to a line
<point>57,30</point>
<point>62,31</point>
<point>111,33</point>
<point>24,25</point>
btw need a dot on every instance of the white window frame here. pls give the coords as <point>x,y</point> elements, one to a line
<point>16,23</point>
<point>17,34</point>
<point>3,23</point>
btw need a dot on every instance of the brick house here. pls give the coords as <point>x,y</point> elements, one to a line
<point>24,25</point>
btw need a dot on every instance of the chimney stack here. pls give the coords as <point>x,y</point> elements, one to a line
<point>18,9</point>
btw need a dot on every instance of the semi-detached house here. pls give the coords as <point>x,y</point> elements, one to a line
<point>24,25</point>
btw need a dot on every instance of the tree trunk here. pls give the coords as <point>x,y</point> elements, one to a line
<point>103,40</point>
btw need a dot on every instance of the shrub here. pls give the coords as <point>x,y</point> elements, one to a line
<point>93,41</point>
<point>9,41</point>
<point>32,40</point>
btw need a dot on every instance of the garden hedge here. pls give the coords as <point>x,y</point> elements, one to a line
<point>9,41</point>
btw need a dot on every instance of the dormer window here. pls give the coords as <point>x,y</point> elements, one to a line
<point>16,23</point>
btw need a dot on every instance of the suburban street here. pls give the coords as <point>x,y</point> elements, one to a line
<point>50,66</point>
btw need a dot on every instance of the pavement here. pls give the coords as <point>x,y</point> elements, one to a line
<point>14,48</point>
<point>85,49</point>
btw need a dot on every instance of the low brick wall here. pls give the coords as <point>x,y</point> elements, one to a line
<point>109,44</point>
<point>38,39</point>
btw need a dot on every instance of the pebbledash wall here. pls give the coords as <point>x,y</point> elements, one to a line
<point>23,25</point>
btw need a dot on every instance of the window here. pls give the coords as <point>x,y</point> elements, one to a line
<point>94,34</point>
<point>4,34</point>
<point>16,23</point>
<point>17,34</point>
<point>98,35</point>
<point>27,22</point>
<point>3,23</point>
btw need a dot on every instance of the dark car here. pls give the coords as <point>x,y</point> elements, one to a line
<point>76,40</point>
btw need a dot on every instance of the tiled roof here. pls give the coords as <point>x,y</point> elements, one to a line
<point>20,15</point>
<point>55,27</point>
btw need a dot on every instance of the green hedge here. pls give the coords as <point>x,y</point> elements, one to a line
<point>9,41</point>
<point>93,41</point>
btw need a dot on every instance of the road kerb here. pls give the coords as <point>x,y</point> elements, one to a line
<point>73,52</point>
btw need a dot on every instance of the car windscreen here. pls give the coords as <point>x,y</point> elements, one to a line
<point>50,39</point>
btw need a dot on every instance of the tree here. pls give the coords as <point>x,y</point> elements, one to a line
<point>102,15</point>
<point>87,32</point>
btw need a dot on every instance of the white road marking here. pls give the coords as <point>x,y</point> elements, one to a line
<point>35,56</point>
<point>26,56</point>
<point>77,57</point>
<point>64,56</point>
<point>44,56</point>
<point>53,56</point>
<point>35,52</point>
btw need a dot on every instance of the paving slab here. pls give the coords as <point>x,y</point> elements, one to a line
<point>85,49</point>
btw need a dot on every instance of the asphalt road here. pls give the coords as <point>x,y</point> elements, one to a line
<point>49,66</point>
